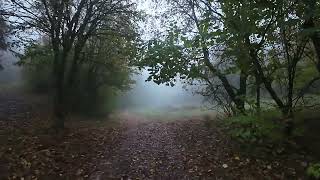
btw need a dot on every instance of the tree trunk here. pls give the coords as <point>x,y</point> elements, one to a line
<point>3,28</point>
<point>315,38</point>
<point>309,24</point>
<point>291,74</point>
<point>289,106</point>
<point>227,86</point>
<point>316,42</point>
<point>73,70</point>
<point>258,94</point>
<point>59,97</point>
<point>74,66</point>
<point>267,83</point>
<point>242,91</point>
<point>59,110</point>
<point>75,62</point>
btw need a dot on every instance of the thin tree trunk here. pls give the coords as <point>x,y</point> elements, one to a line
<point>315,38</point>
<point>74,66</point>
<point>289,105</point>
<point>3,28</point>
<point>242,91</point>
<point>309,24</point>
<point>258,94</point>
<point>291,73</point>
<point>316,43</point>
<point>267,83</point>
<point>227,86</point>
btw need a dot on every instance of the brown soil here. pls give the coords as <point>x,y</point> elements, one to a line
<point>130,148</point>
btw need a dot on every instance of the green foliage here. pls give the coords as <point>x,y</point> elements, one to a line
<point>165,61</point>
<point>216,40</point>
<point>103,72</point>
<point>306,73</point>
<point>314,171</point>
<point>269,126</point>
<point>37,70</point>
<point>303,121</point>
<point>254,128</point>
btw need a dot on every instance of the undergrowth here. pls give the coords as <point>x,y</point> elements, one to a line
<point>313,171</point>
<point>256,128</point>
<point>269,126</point>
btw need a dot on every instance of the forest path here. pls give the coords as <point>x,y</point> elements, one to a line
<point>148,149</point>
<point>135,148</point>
<point>181,149</point>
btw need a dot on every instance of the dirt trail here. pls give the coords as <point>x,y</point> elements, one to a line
<point>139,148</point>
<point>147,150</point>
<point>183,149</point>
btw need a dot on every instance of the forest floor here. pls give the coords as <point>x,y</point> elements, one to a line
<point>128,147</point>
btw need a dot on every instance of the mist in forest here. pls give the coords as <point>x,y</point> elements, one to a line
<point>149,95</point>
<point>142,95</point>
<point>10,74</point>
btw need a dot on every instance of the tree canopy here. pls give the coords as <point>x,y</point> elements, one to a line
<point>70,27</point>
<point>236,49</point>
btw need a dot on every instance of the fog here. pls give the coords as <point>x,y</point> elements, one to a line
<point>10,74</point>
<point>149,95</point>
<point>143,95</point>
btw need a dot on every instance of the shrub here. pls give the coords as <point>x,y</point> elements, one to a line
<point>254,128</point>
<point>313,171</point>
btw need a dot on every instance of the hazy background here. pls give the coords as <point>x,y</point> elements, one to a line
<point>143,95</point>
<point>150,95</point>
<point>10,74</point>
